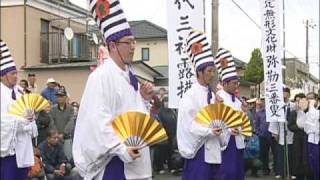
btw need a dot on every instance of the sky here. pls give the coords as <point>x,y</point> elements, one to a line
<point>237,32</point>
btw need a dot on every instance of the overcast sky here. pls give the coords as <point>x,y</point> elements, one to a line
<point>237,32</point>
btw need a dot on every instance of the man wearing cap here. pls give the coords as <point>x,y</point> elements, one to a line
<point>50,91</point>
<point>112,89</point>
<point>232,166</point>
<point>199,145</point>
<point>16,133</point>
<point>63,120</point>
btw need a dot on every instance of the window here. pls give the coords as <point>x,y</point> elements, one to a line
<point>145,54</point>
<point>44,47</point>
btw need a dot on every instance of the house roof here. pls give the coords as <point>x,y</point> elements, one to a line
<point>163,70</point>
<point>147,68</point>
<point>239,63</point>
<point>67,4</point>
<point>147,30</point>
<point>313,78</point>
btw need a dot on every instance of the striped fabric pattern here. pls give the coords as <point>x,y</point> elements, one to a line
<point>110,19</point>
<point>6,61</point>
<point>225,65</point>
<point>199,49</point>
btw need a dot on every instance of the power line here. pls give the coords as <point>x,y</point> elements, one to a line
<point>252,20</point>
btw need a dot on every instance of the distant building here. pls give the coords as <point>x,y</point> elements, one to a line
<point>38,44</point>
<point>36,40</point>
<point>297,76</point>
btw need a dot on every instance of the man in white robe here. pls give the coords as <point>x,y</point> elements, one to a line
<point>232,166</point>
<point>111,90</point>
<point>312,128</point>
<point>16,133</point>
<point>199,145</point>
<point>278,130</point>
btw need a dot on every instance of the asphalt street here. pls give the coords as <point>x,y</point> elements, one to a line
<point>169,176</point>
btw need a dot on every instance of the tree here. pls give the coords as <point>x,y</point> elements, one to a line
<point>254,70</point>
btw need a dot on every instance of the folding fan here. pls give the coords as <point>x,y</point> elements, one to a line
<point>246,128</point>
<point>138,129</point>
<point>219,115</point>
<point>27,104</point>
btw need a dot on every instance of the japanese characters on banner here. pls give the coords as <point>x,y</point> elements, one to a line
<point>272,54</point>
<point>183,15</point>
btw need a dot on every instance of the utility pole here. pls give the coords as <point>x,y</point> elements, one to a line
<point>215,36</point>
<point>309,24</point>
<point>307,42</point>
<point>215,26</point>
<point>285,128</point>
<point>284,42</point>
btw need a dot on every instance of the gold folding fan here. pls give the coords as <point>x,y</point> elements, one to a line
<point>138,129</point>
<point>218,115</point>
<point>28,103</point>
<point>246,127</point>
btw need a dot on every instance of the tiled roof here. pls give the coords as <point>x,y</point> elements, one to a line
<point>67,4</point>
<point>239,63</point>
<point>147,30</point>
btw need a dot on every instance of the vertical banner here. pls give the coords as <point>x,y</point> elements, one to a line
<point>272,54</point>
<point>183,15</point>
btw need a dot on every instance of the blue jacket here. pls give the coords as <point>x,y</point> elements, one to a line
<point>50,94</point>
<point>252,148</point>
<point>261,125</point>
<point>52,157</point>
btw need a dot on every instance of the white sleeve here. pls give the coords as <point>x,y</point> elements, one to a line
<point>311,125</point>
<point>274,128</point>
<point>200,130</point>
<point>94,137</point>
<point>222,140</point>
<point>8,135</point>
<point>25,126</point>
<point>195,128</point>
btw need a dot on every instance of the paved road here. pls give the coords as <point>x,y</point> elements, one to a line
<point>171,177</point>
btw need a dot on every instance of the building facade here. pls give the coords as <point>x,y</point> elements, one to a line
<point>34,31</point>
<point>298,77</point>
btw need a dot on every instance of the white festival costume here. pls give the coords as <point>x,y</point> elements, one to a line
<point>108,94</point>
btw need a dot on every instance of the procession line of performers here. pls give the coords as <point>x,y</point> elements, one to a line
<point>210,153</point>
<point>112,89</point>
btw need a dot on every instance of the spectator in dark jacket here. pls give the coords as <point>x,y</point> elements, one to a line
<point>55,162</point>
<point>43,122</point>
<point>75,106</point>
<point>164,151</point>
<point>296,120</point>
<point>63,121</point>
<point>266,140</point>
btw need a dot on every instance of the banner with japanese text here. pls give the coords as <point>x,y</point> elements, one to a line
<point>183,15</point>
<point>272,54</point>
